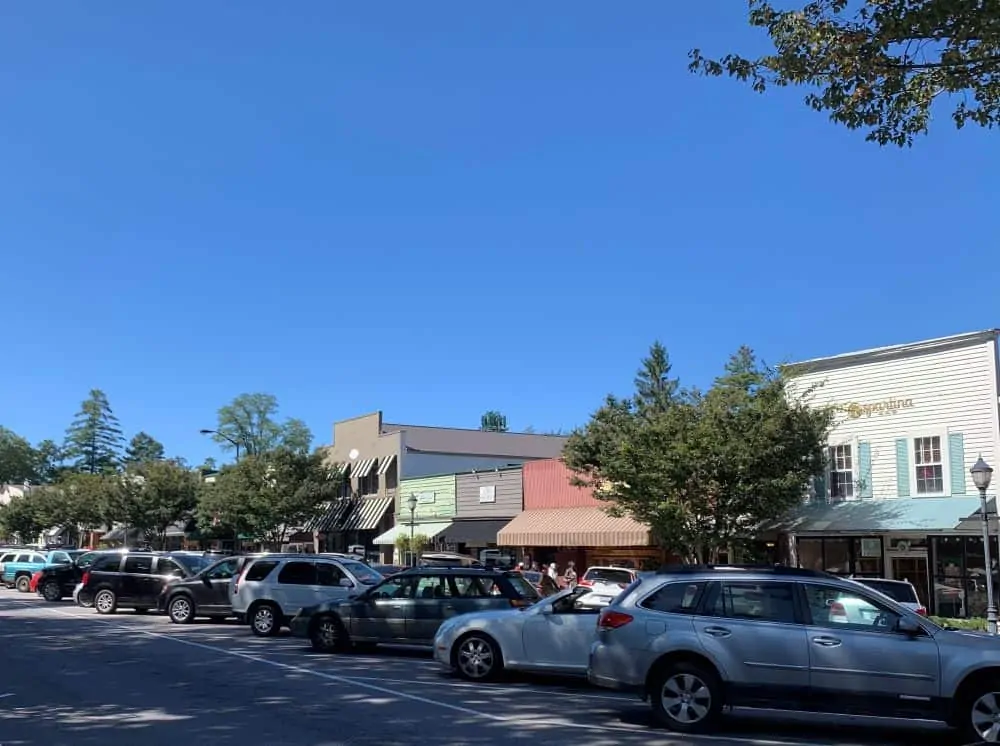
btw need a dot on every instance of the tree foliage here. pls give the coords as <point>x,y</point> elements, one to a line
<point>18,460</point>
<point>265,496</point>
<point>143,449</point>
<point>251,421</point>
<point>94,439</point>
<point>702,469</point>
<point>878,65</point>
<point>493,422</point>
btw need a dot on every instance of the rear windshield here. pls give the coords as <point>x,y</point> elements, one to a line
<point>363,573</point>
<point>522,586</point>
<point>260,569</point>
<point>194,563</point>
<point>898,592</point>
<point>607,575</point>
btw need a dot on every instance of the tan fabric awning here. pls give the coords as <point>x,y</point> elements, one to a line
<point>572,527</point>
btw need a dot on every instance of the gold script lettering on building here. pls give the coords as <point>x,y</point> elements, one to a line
<point>855,410</point>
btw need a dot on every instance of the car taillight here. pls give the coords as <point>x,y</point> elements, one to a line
<point>586,583</point>
<point>922,611</point>
<point>610,619</point>
<point>85,578</point>
<point>236,585</point>
<point>837,610</point>
<point>37,576</point>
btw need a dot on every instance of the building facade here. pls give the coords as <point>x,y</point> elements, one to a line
<point>561,522</point>
<point>897,499</point>
<point>383,461</point>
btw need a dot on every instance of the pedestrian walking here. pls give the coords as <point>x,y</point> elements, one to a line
<point>570,574</point>
<point>553,571</point>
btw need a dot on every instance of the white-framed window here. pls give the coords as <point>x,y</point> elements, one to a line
<point>842,471</point>
<point>929,457</point>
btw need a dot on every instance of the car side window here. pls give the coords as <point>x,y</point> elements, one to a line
<point>329,574</point>
<point>167,567</point>
<point>675,598</point>
<point>86,560</point>
<point>6,557</point>
<point>107,563</point>
<point>393,588</point>
<point>22,558</point>
<point>433,586</point>
<point>838,609</point>
<point>223,570</point>
<point>763,602</point>
<point>260,570</point>
<point>138,565</point>
<point>298,573</point>
<point>574,604</point>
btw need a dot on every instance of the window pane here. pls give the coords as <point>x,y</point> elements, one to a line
<point>837,556</point>
<point>675,598</point>
<point>761,601</point>
<point>810,553</point>
<point>328,574</point>
<point>260,570</point>
<point>138,565</point>
<point>298,573</point>
<point>166,566</point>
<point>394,588</point>
<point>837,609</point>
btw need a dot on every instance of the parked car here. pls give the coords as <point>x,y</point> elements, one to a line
<point>130,579</point>
<point>606,583</point>
<point>696,640</point>
<point>386,570</point>
<point>552,636</point>
<point>57,579</point>
<point>447,559</point>
<point>17,567</point>
<point>900,591</point>
<point>205,594</point>
<point>273,587</point>
<point>408,608</point>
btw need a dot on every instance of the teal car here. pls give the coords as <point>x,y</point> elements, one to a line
<point>18,565</point>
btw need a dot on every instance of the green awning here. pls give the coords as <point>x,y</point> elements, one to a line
<point>931,514</point>
<point>430,530</point>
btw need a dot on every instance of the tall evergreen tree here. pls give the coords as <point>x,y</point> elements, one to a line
<point>143,449</point>
<point>94,440</point>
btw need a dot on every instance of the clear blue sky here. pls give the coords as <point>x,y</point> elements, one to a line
<point>441,208</point>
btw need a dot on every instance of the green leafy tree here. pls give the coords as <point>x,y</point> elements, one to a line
<point>94,440</point>
<point>266,496</point>
<point>143,449</point>
<point>493,422</point>
<point>18,460</point>
<point>168,495</point>
<point>878,65</point>
<point>250,420</point>
<point>49,462</point>
<point>704,470</point>
<point>20,517</point>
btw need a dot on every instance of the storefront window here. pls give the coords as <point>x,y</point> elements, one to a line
<point>860,556</point>
<point>960,575</point>
<point>810,553</point>
<point>837,556</point>
<point>868,558</point>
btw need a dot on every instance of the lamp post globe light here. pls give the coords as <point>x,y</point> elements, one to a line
<point>411,503</point>
<point>982,475</point>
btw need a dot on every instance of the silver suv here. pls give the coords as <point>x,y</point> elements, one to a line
<point>271,588</point>
<point>693,640</point>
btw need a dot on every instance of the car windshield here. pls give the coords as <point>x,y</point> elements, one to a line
<point>194,562</point>
<point>521,584</point>
<point>608,575</point>
<point>898,592</point>
<point>532,576</point>
<point>363,573</point>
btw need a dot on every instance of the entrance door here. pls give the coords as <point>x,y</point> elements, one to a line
<point>913,569</point>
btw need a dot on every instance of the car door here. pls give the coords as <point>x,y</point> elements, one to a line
<point>755,631</point>
<point>380,615</point>
<point>857,656</point>
<point>165,571</point>
<point>135,581</point>
<point>557,635</point>
<point>296,586</point>
<point>212,593</point>
<point>433,600</point>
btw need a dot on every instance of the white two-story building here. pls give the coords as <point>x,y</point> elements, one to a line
<point>897,499</point>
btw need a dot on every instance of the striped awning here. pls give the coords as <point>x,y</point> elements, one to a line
<point>333,515</point>
<point>572,527</point>
<point>386,463</point>
<point>351,514</point>
<point>363,467</point>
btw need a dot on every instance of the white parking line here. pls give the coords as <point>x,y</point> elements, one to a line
<point>467,711</point>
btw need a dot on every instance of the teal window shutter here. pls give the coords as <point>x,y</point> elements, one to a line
<point>903,467</point>
<point>956,456</point>
<point>865,469</point>
<point>819,485</point>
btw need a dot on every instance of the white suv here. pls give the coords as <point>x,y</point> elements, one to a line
<point>273,587</point>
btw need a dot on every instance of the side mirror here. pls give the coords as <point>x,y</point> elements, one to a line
<point>547,609</point>
<point>206,580</point>
<point>345,583</point>
<point>908,626</point>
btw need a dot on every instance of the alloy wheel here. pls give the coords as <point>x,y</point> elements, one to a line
<point>327,634</point>
<point>476,658</point>
<point>180,610</point>
<point>986,717</point>
<point>51,591</point>
<point>263,620</point>
<point>104,601</point>
<point>686,699</point>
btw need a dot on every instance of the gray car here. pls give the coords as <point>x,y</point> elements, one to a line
<point>694,640</point>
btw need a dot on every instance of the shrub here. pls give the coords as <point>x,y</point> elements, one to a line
<point>976,624</point>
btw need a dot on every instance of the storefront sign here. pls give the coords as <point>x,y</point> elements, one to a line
<point>425,498</point>
<point>488,494</point>
<point>856,410</point>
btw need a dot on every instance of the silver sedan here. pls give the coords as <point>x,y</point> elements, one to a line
<point>552,636</point>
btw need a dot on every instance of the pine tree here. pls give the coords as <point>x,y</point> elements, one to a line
<point>94,440</point>
<point>143,449</point>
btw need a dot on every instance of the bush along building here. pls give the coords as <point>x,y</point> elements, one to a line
<point>897,499</point>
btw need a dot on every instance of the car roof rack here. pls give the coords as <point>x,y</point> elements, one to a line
<point>801,572</point>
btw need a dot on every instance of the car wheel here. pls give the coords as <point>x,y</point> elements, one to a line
<point>265,620</point>
<point>981,715</point>
<point>23,583</point>
<point>477,658</point>
<point>180,610</point>
<point>85,600</point>
<point>686,697</point>
<point>327,635</point>
<point>51,591</point>
<point>105,602</point>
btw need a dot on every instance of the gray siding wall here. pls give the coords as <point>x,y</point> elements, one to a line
<point>430,464</point>
<point>507,489</point>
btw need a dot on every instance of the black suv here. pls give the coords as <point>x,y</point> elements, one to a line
<point>408,608</point>
<point>203,595</point>
<point>132,579</point>
<point>56,582</point>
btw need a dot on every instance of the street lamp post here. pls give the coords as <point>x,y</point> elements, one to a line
<point>411,503</point>
<point>224,437</point>
<point>982,473</point>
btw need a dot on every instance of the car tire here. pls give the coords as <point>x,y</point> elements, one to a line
<point>180,610</point>
<point>23,583</point>
<point>477,657</point>
<point>51,591</point>
<point>105,602</point>
<point>686,697</point>
<point>327,634</point>
<point>85,600</point>
<point>265,620</point>
<point>977,712</point>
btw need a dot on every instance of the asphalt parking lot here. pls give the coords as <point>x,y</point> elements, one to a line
<point>70,676</point>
